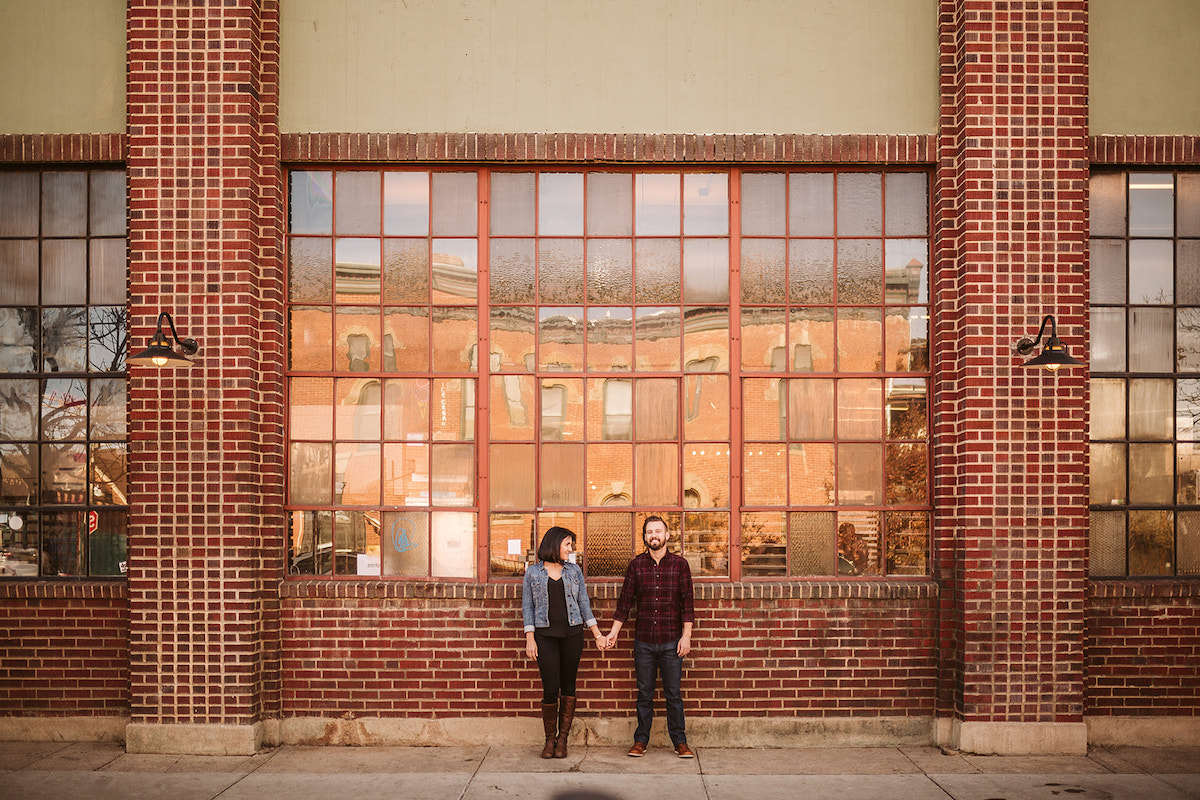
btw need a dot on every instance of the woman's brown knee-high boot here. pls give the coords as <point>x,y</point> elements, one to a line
<point>550,724</point>
<point>566,715</point>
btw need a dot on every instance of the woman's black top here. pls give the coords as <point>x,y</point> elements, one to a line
<point>557,596</point>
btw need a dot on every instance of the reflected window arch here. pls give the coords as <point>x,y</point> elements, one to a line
<point>618,409</point>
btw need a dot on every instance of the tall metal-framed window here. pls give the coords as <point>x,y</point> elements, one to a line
<point>63,338</point>
<point>1145,374</point>
<point>636,322</point>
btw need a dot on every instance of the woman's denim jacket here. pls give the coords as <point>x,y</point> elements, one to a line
<point>535,597</point>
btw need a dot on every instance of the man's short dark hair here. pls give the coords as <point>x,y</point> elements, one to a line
<point>551,546</point>
<point>654,518</point>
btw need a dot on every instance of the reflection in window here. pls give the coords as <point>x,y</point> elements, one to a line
<point>1145,374</point>
<point>63,395</point>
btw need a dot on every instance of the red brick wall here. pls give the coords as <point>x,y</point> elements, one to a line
<point>206,444</point>
<point>64,649</point>
<point>1143,648</point>
<point>404,649</point>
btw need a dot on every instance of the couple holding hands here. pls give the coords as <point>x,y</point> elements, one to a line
<point>557,611</point>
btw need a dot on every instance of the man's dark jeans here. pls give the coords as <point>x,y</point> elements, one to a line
<point>650,660</point>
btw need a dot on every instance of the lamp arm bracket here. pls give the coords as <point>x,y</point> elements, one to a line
<point>1025,346</point>
<point>188,346</point>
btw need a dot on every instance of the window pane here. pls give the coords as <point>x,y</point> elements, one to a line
<point>310,270</point>
<point>512,209</point>
<point>706,474</point>
<point>311,480</point>
<point>455,203</point>
<point>106,206</point>
<point>561,333</point>
<point>356,477</point>
<point>812,339</point>
<point>1106,203</point>
<point>705,204</point>
<point>64,410</point>
<point>19,329</point>
<point>1151,543</point>
<point>706,271</point>
<point>706,407</point>
<point>406,339</point>
<point>310,409</point>
<point>1107,474</point>
<point>705,542</point>
<point>657,271</point>
<point>454,338</point>
<point>610,271</point>
<point>64,339</point>
<point>19,203</point>
<point>810,204</point>
<point>764,334</point>
<point>1151,474</point>
<point>1106,544</point>
<point>907,271</point>
<point>1151,406</point>
<point>63,544</point>
<point>657,409</point>
<point>513,407</point>
<point>19,265</point>
<point>1187,543</point>
<point>907,543</point>
<point>859,344</point>
<point>1108,340</point>
<point>311,202</point>
<point>906,332</point>
<point>609,467</point>
<point>108,544</point>
<point>108,331</point>
<point>1107,419</point>
<point>858,543</point>
<point>765,545</point>
<point>453,475</point>
<point>560,270</point>
<point>657,473</point>
<point>1151,204</point>
<point>358,203</point>
<point>404,544</point>
<point>560,204</point>
<point>64,271</point>
<point>907,471</point>
<point>562,474</point>
<point>763,408</point>
<point>609,544</point>
<point>656,339</point>
<point>859,204</point>
<point>356,270</point>
<point>18,409</point>
<point>406,203</point>
<point>513,543</point>
<point>811,543</point>
<point>1150,334</point>
<point>860,409</point>
<point>764,270</point>
<point>1187,342</point>
<point>610,204</point>
<point>64,204</point>
<point>311,345</point>
<point>405,271</point>
<point>907,409</point>
<point>657,202</point>
<point>706,339</point>
<point>764,204</point>
<point>1151,272</point>
<point>1187,267</point>
<point>106,279</point>
<point>406,474</point>
<point>109,399</point>
<point>810,474</point>
<point>1107,260</point>
<point>452,415</point>
<point>907,199</point>
<point>311,533</point>
<point>21,466</point>
<point>513,338</point>
<point>455,271</point>
<point>764,474</point>
<point>810,271</point>
<point>562,409</point>
<point>859,271</point>
<point>513,472</point>
<point>610,339</point>
<point>860,474</point>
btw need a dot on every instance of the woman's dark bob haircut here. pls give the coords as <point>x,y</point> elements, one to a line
<point>551,544</point>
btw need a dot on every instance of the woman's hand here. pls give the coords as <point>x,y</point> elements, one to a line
<point>531,647</point>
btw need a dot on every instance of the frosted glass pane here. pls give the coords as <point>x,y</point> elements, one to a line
<point>1151,474</point>
<point>512,270</point>
<point>311,204</point>
<point>64,271</point>
<point>404,544</point>
<point>656,471</point>
<point>106,204</point>
<point>560,270</point>
<point>512,209</point>
<point>64,204</point>
<point>810,271</point>
<point>1107,418</point>
<point>810,204</point>
<point>455,203</point>
<point>358,198</point>
<point>656,409</point>
<point>811,543</point>
<point>657,271</point>
<point>764,270</point>
<point>1108,340</point>
<point>1151,409</point>
<point>609,543</point>
<point>406,203</point>
<point>906,196</point>
<point>764,339</point>
<point>1187,537</point>
<point>610,204</point>
<point>1187,271</point>
<point>406,270</point>
<point>562,481</point>
<point>1106,204</point>
<point>1151,204</point>
<point>561,333</point>
<point>1150,334</point>
<point>1187,203</point>
<point>310,270</point>
<point>764,204</point>
<point>19,204</point>
<point>705,204</point>
<point>107,271</point>
<point>560,204</point>
<point>610,271</point>
<point>657,204</point>
<point>859,271</point>
<point>610,339</point>
<point>1151,273</point>
<point>1106,544</point>
<point>1187,341</point>
<point>859,204</point>
<point>19,265</point>
<point>706,271</point>
<point>513,475</point>
<point>1108,271</point>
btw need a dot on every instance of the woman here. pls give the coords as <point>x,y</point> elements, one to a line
<point>554,603</point>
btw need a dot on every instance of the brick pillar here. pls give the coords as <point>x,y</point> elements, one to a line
<point>1011,442</point>
<point>207,446</point>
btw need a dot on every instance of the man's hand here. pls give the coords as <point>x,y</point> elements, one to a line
<point>685,645</point>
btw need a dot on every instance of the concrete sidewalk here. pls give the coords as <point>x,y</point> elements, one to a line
<point>36,770</point>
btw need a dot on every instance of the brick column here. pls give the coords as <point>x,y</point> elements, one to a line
<point>1011,442</point>
<point>207,447</point>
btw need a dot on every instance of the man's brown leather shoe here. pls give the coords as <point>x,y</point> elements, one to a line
<point>638,750</point>
<point>683,751</point>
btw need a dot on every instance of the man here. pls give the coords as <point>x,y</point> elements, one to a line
<point>660,582</point>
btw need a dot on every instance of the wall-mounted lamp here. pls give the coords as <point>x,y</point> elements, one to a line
<point>1054,353</point>
<point>160,353</point>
